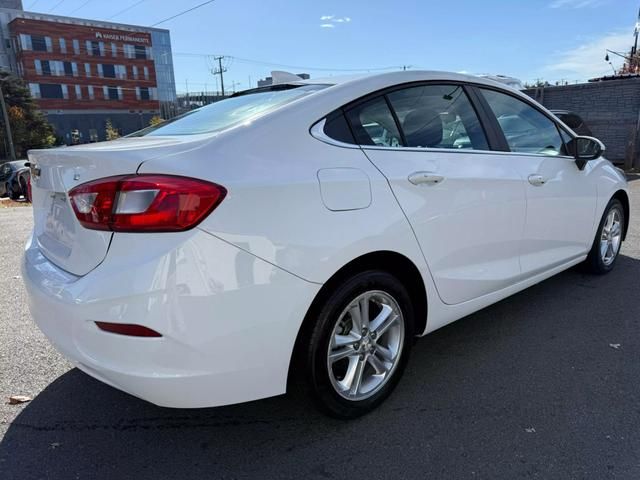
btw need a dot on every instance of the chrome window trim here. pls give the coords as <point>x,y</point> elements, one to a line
<point>317,131</point>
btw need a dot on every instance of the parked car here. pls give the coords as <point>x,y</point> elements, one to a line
<point>573,121</point>
<point>14,179</point>
<point>303,234</point>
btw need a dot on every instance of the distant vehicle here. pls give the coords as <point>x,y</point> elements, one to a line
<point>14,179</point>
<point>574,122</point>
<point>302,234</point>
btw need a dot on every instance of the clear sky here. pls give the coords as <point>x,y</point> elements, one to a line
<point>527,39</point>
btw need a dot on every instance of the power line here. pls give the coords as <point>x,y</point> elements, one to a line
<point>78,8</point>
<point>126,9</point>
<point>56,5</point>
<point>183,12</point>
<point>283,65</point>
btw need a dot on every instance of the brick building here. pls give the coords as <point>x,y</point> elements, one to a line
<point>85,72</point>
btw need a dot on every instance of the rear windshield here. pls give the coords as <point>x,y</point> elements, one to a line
<point>229,112</point>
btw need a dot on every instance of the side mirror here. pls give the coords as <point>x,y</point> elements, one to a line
<point>584,149</point>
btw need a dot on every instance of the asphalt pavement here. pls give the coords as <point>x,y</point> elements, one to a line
<point>545,384</point>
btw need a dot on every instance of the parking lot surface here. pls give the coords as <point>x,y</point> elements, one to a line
<point>541,385</point>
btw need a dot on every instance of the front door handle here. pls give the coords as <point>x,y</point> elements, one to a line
<point>537,180</point>
<point>428,178</point>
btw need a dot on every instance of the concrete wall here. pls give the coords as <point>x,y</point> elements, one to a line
<point>611,109</point>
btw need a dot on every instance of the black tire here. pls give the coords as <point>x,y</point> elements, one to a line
<point>595,263</point>
<point>14,193</point>
<point>316,378</point>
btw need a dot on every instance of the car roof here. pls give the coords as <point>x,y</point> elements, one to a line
<point>404,76</point>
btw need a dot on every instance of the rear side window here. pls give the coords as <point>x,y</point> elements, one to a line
<point>231,111</point>
<point>336,127</point>
<point>438,116</point>
<point>373,124</point>
<point>526,129</point>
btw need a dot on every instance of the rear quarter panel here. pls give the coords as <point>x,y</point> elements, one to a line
<point>274,207</point>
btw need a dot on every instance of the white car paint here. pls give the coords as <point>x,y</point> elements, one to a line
<point>229,296</point>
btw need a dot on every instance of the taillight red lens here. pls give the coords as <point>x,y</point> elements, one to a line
<point>145,203</point>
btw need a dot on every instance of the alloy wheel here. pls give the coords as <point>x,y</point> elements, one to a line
<point>366,345</point>
<point>611,237</point>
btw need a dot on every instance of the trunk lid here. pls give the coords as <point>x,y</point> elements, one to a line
<point>57,232</point>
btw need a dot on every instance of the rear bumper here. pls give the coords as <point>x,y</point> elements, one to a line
<point>228,319</point>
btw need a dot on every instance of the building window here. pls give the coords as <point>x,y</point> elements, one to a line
<point>78,92</point>
<point>70,69</point>
<point>87,70</point>
<point>107,70</point>
<point>91,92</point>
<point>112,93</point>
<point>95,49</point>
<point>48,90</point>
<point>135,72</point>
<point>65,92</point>
<point>129,51</point>
<point>34,88</point>
<point>40,43</point>
<point>63,46</point>
<point>25,42</point>
<point>146,73</point>
<point>76,47</point>
<point>38,65</point>
<point>114,50</point>
<point>140,52</point>
<point>142,93</point>
<point>121,72</point>
<point>46,67</point>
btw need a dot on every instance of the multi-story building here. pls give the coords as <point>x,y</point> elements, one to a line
<point>83,73</point>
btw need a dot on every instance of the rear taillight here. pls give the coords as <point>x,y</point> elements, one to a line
<point>145,203</point>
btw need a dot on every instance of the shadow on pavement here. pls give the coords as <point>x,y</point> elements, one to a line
<point>528,387</point>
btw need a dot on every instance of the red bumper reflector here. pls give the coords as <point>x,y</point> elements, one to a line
<point>127,329</point>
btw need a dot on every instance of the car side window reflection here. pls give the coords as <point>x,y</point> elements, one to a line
<point>526,129</point>
<point>373,124</point>
<point>438,116</point>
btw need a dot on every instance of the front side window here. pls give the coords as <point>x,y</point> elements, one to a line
<point>526,129</point>
<point>438,116</point>
<point>373,124</point>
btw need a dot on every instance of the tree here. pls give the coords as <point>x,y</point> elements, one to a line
<point>155,121</point>
<point>29,127</point>
<point>111,132</point>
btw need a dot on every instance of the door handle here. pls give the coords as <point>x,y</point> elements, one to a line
<point>428,178</point>
<point>537,180</point>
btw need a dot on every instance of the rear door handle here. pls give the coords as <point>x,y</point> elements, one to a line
<point>537,180</point>
<point>428,178</point>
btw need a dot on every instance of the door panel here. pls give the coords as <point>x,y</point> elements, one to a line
<point>469,224</point>
<point>560,212</point>
<point>561,199</point>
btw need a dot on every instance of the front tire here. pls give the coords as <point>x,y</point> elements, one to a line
<point>606,245</point>
<point>359,345</point>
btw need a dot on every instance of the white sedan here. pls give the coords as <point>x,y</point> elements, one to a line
<point>304,233</point>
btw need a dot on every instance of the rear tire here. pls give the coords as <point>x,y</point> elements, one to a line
<point>14,193</point>
<point>608,241</point>
<point>359,345</point>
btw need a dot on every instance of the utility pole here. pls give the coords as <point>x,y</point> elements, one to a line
<point>7,126</point>
<point>219,71</point>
